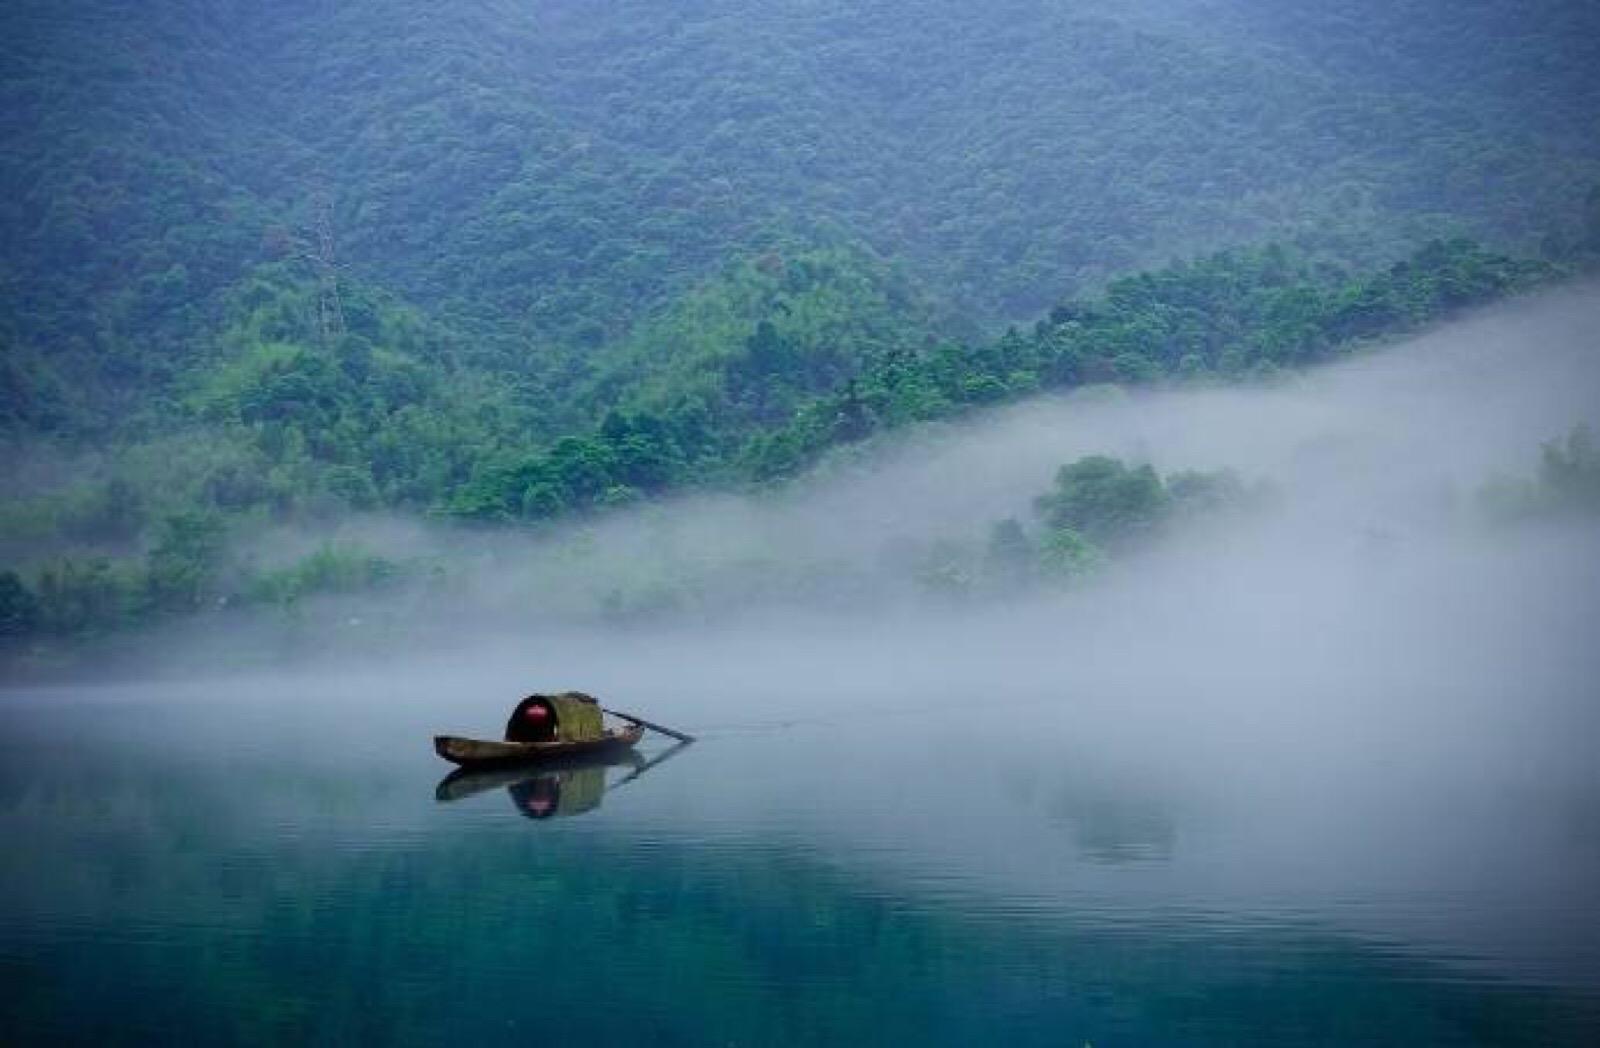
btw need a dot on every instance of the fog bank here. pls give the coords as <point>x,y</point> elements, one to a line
<point>1374,461</point>
<point>1363,704</point>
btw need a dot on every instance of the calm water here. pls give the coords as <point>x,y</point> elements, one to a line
<point>274,862</point>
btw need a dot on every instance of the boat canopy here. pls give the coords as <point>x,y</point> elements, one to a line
<point>577,718</point>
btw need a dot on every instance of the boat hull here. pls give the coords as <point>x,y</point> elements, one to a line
<point>490,753</point>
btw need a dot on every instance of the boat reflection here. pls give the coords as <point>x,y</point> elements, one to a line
<point>556,788</point>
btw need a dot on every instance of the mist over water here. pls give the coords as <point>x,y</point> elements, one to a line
<point>1344,739</point>
<point>1370,538</point>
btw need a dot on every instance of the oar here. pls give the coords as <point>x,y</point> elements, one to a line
<point>680,736</point>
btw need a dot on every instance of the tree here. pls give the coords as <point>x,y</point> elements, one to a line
<point>1105,501</point>
<point>1065,554</point>
<point>76,599</point>
<point>1010,557</point>
<point>183,565</point>
<point>19,608</point>
<point>1569,473</point>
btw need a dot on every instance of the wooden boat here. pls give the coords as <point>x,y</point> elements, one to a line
<point>544,728</point>
<point>487,753</point>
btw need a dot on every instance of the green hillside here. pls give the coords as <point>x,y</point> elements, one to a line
<point>506,262</point>
<point>288,428</point>
<point>539,177</point>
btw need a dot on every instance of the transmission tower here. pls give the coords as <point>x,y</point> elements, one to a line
<point>319,252</point>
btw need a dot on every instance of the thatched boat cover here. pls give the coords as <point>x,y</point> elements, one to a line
<point>577,716</point>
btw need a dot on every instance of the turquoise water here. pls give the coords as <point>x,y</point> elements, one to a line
<point>278,866</point>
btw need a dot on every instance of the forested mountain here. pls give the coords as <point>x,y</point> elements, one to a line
<point>506,261</point>
<point>294,431</point>
<point>539,175</point>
